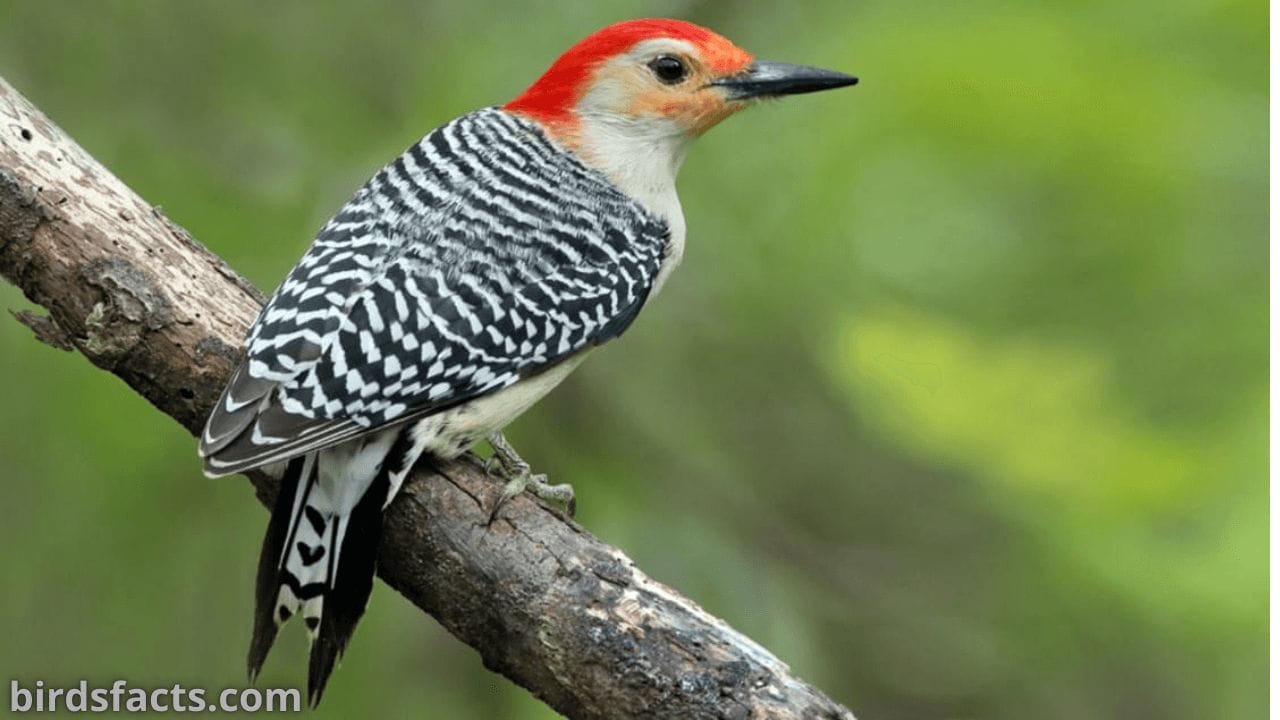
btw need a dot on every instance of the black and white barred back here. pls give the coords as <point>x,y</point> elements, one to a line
<point>484,254</point>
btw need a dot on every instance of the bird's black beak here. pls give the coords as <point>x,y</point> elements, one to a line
<point>772,79</point>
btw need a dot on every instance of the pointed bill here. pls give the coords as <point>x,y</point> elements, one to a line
<point>773,79</point>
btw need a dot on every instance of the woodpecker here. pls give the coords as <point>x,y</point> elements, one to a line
<point>458,286</point>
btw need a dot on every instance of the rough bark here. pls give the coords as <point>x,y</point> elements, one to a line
<point>544,602</point>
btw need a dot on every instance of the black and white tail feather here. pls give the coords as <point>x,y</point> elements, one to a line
<point>320,552</point>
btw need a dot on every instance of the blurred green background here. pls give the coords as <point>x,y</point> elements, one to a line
<point>958,403</point>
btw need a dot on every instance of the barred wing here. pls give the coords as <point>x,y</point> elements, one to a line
<point>481,255</point>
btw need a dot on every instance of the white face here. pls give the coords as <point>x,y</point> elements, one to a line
<point>663,84</point>
<point>619,83</point>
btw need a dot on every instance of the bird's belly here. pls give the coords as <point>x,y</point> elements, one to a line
<point>449,433</point>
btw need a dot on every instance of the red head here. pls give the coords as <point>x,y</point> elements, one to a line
<point>628,98</point>
<point>601,57</point>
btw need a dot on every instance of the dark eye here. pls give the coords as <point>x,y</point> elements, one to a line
<point>669,69</point>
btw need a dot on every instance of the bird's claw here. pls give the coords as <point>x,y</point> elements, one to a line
<point>506,465</point>
<point>557,496</point>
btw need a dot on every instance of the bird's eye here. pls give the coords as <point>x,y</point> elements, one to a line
<point>668,69</point>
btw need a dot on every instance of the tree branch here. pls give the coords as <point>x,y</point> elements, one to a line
<point>544,602</point>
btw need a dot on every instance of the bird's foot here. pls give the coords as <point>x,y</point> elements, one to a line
<point>507,465</point>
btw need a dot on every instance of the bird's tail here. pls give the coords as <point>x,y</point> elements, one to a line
<point>314,526</point>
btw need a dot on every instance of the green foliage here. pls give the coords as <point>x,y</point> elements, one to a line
<point>958,403</point>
